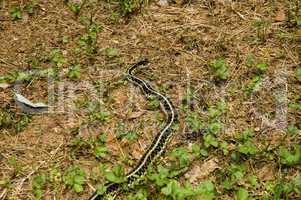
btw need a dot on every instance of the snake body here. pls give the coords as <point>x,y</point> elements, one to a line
<point>158,143</point>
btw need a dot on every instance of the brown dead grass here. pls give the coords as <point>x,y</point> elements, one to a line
<point>162,34</point>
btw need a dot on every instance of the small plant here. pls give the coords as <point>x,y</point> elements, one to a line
<point>140,195</point>
<point>210,140</point>
<point>246,145</point>
<point>295,106</point>
<point>57,58</point>
<point>100,151</point>
<point>261,29</point>
<point>29,9</point>
<point>298,73</point>
<point>111,52</point>
<point>5,183</point>
<point>87,42</point>
<point>114,16</point>
<point>160,178</point>
<point>23,123</point>
<point>214,128</point>
<point>250,60</point>
<point>242,194</point>
<point>292,130</point>
<point>194,121</point>
<point>102,116</point>
<point>116,175</point>
<point>224,147</point>
<point>235,173</point>
<point>154,103</point>
<point>75,72</point>
<point>75,178</point>
<point>219,68</point>
<point>6,119</point>
<point>13,162</point>
<point>254,85</point>
<point>16,13</point>
<point>128,135</point>
<point>38,185</point>
<point>290,158</point>
<point>181,159</point>
<point>130,6</point>
<point>262,66</point>
<point>205,190</point>
<point>75,8</point>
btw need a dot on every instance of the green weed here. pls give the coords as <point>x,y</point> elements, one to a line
<point>16,13</point>
<point>38,185</point>
<point>219,68</point>
<point>290,158</point>
<point>87,42</point>
<point>75,178</point>
<point>74,72</point>
<point>117,175</point>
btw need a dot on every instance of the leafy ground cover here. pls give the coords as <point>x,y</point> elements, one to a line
<point>231,68</point>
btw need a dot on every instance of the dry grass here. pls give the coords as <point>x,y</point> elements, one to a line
<point>180,40</point>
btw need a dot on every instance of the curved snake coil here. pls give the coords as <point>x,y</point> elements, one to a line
<point>158,143</point>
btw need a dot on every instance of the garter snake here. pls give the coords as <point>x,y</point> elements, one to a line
<point>158,143</point>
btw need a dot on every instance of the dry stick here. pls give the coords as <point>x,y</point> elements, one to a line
<point>19,187</point>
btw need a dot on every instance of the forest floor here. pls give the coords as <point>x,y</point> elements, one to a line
<point>231,68</point>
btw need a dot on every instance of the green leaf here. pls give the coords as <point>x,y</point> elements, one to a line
<point>220,69</point>
<point>224,147</point>
<point>214,127</point>
<point>217,63</point>
<point>292,130</point>
<point>78,188</point>
<point>100,151</point>
<point>38,185</point>
<point>290,158</point>
<point>295,106</point>
<point>253,85</point>
<point>213,112</point>
<point>140,195</point>
<point>161,178</point>
<point>247,148</point>
<point>110,176</point>
<point>194,121</point>
<point>75,72</point>
<point>253,180</point>
<point>242,194</point>
<point>101,189</point>
<point>16,13</point>
<point>206,190</point>
<point>297,184</point>
<point>75,178</point>
<point>262,66</point>
<point>210,140</point>
<point>116,175</point>
<point>250,60</point>
<point>196,149</point>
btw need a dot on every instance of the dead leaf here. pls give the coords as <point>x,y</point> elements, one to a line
<point>135,115</point>
<point>266,173</point>
<point>200,172</point>
<point>4,85</point>
<point>280,15</point>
